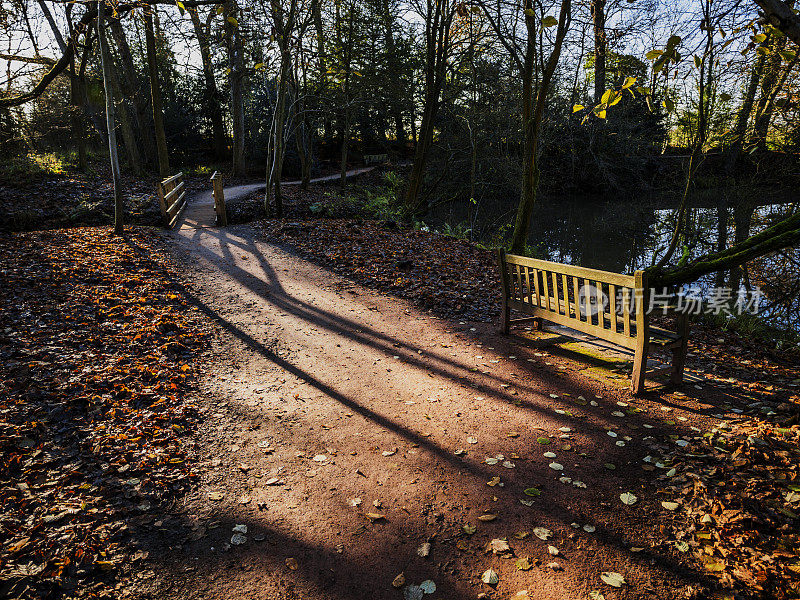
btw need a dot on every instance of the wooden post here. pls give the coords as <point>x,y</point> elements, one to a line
<point>162,202</point>
<point>219,200</point>
<point>642,295</point>
<point>505,312</point>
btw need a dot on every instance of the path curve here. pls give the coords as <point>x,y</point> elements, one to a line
<point>200,213</point>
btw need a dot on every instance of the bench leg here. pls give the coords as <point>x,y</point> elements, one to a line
<point>678,360</point>
<point>505,311</point>
<point>505,318</point>
<point>639,369</point>
<point>537,324</point>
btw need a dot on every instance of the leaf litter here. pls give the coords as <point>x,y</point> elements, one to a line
<point>98,365</point>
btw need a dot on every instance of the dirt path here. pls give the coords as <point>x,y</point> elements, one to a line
<point>200,210</point>
<point>329,404</point>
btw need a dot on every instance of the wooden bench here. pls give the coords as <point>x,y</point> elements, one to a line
<point>605,305</point>
<point>172,197</point>
<point>375,159</point>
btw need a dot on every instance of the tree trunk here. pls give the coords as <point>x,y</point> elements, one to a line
<point>303,151</point>
<point>722,233</point>
<point>279,134</point>
<point>301,132</point>
<point>781,15</point>
<point>772,84</point>
<point>344,149</point>
<point>743,118</point>
<point>128,136</point>
<point>599,23</point>
<point>770,79</point>
<point>742,221</point>
<point>394,70</point>
<point>532,120</point>
<point>131,86</point>
<point>155,93</point>
<point>322,62</point>
<point>79,132</point>
<point>212,94</point>
<point>437,47</point>
<point>424,143</point>
<point>112,137</point>
<point>236,60</point>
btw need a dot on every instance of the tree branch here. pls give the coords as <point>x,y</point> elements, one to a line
<point>36,60</point>
<point>781,15</point>
<point>782,235</point>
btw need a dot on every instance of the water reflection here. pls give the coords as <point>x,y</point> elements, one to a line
<point>624,236</point>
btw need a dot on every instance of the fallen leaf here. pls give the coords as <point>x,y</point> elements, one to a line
<point>413,592</point>
<point>612,579</point>
<point>490,577</point>
<point>499,546</point>
<point>542,533</point>
<point>428,586</point>
<point>523,564</point>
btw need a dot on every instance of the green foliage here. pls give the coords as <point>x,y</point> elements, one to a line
<point>30,168</point>
<point>459,231</point>
<point>376,202</point>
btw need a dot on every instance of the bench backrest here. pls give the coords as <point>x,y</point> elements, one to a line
<point>370,159</point>
<point>605,305</point>
<point>172,197</point>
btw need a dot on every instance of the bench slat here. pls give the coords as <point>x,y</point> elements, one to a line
<point>612,298</point>
<point>581,326</point>
<point>544,265</point>
<point>545,277</point>
<point>626,312</point>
